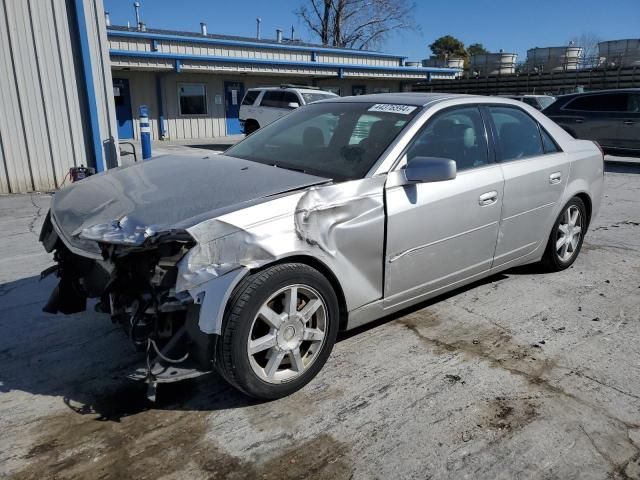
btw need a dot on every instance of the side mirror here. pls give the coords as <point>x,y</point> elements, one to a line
<point>293,105</point>
<point>429,169</point>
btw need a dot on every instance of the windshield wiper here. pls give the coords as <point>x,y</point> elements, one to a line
<point>295,169</point>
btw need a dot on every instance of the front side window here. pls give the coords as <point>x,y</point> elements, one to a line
<point>606,102</point>
<point>338,140</point>
<point>633,103</point>
<point>518,134</point>
<point>192,99</point>
<point>456,134</point>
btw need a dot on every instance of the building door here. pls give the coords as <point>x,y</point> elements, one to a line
<point>233,92</point>
<point>124,115</point>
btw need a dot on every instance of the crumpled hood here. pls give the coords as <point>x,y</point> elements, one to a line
<point>172,192</point>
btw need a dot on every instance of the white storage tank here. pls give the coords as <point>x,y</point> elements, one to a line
<point>500,63</point>
<point>620,53</point>
<point>554,59</point>
<point>434,61</point>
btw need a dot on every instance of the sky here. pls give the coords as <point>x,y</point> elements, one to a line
<point>511,25</point>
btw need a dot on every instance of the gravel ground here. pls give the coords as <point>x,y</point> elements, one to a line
<point>524,375</point>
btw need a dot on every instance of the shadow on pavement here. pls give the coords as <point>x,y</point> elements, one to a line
<point>84,359</point>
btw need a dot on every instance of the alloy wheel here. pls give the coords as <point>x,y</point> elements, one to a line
<point>287,333</point>
<point>569,233</point>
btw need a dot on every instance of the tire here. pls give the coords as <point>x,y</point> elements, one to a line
<point>250,127</point>
<point>258,304</point>
<point>557,255</point>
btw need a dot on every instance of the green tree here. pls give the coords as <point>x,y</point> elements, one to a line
<point>448,46</point>
<point>476,49</point>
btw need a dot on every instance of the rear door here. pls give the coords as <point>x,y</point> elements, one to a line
<point>596,117</point>
<point>442,233</point>
<point>629,127</point>
<point>275,105</point>
<point>535,173</point>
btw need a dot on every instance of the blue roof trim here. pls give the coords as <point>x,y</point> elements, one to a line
<point>87,70</point>
<point>240,43</point>
<point>347,66</point>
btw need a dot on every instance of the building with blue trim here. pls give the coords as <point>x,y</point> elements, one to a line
<point>71,86</point>
<point>193,83</point>
<point>56,93</point>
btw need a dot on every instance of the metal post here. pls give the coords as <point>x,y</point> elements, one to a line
<point>145,132</point>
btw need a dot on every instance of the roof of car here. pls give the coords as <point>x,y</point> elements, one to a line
<point>300,89</point>
<point>409,98</point>
<point>415,98</point>
<point>595,92</point>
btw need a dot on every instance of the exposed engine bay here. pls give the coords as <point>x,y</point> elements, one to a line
<point>135,285</point>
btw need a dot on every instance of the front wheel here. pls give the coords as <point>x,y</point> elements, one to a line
<point>279,330</point>
<point>566,236</point>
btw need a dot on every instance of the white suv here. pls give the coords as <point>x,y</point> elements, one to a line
<point>261,106</point>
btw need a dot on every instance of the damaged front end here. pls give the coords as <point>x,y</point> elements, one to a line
<point>134,282</point>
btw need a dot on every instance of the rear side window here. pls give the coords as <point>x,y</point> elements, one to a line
<point>548,144</point>
<point>278,99</point>
<point>610,102</point>
<point>250,97</point>
<point>272,98</point>
<point>518,134</point>
<point>289,97</point>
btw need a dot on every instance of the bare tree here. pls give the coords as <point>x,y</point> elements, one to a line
<point>360,24</point>
<point>589,43</point>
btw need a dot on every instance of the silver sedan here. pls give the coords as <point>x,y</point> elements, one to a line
<point>338,214</point>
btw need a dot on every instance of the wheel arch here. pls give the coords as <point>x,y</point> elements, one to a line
<point>588,205</point>
<point>324,269</point>
<point>252,121</point>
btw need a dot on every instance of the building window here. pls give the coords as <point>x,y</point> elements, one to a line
<point>192,99</point>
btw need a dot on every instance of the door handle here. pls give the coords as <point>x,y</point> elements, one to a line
<point>488,198</point>
<point>555,177</point>
<point>628,122</point>
<point>579,120</point>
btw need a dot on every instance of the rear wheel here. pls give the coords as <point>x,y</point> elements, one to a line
<point>250,126</point>
<point>566,236</point>
<point>279,331</point>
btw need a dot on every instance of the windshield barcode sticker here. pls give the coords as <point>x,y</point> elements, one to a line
<point>391,108</point>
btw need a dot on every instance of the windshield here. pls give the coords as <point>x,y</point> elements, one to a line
<point>341,141</point>
<point>314,97</point>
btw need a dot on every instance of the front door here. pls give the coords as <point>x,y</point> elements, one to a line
<point>234,91</point>
<point>124,115</point>
<point>535,173</point>
<point>442,233</point>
